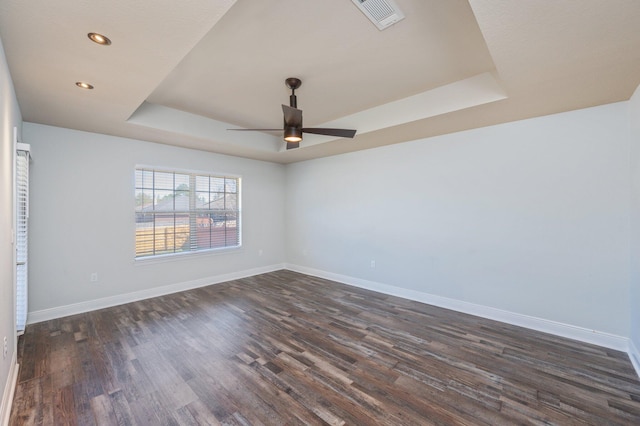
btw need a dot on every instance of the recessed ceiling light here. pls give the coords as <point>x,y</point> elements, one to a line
<point>99,38</point>
<point>83,85</point>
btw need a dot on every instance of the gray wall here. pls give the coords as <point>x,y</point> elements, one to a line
<point>82,216</point>
<point>9,118</point>
<point>530,217</point>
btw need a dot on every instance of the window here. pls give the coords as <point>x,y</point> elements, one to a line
<point>22,227</point>
<point>178,212</point>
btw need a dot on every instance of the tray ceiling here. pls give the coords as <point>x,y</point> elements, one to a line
<point>183,75</point>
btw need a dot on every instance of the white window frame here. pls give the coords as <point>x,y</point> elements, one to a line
<point>196,212</point>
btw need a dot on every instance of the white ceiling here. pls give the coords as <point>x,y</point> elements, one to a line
<point>182,73</point>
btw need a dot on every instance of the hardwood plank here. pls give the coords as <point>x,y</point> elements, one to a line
<point>288,349</point>
<point>63,409</point>
<point>102,410</point>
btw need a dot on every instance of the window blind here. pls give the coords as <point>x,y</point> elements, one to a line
<point>22,234</point>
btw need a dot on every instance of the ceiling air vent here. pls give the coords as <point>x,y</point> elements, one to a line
<point>383,13</point>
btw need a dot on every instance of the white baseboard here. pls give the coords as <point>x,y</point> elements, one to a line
<point>595,337</point>
<point>121,299</point>
<point>634,356</point>
<point>9,390</point>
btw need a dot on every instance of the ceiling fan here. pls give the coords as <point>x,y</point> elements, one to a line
<point>293,129</point>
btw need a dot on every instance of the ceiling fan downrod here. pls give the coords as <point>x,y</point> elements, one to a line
<point>293,83</point>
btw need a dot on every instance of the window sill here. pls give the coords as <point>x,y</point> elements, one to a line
<point>163,258</point>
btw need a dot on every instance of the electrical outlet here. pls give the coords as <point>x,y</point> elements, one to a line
<point>94,277</point>
<point>5,349</point>
<point>373,263</point>
<point>260,252</point>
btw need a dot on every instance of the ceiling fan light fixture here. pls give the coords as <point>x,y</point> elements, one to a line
<point>292,134</point>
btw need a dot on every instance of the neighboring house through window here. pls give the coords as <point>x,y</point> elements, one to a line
<point>182,212</point>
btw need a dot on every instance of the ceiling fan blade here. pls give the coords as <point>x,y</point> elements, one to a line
<point>341,133</point>
<point>292,116</point>
<point>257,130</point>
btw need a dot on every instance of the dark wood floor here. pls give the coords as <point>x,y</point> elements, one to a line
<point>285,348</point>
